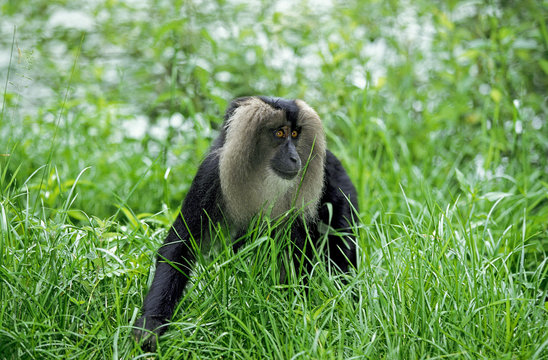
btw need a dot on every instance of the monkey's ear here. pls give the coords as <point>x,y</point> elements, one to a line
<point>233,106</point>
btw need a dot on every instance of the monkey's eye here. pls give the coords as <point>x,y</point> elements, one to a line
<point>294,134</point>
<point>279,133</point>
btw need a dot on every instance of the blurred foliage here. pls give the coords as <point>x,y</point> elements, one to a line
<point>136,90</point>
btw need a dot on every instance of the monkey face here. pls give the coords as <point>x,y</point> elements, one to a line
<point>265,147</point>
<point>286,161</point>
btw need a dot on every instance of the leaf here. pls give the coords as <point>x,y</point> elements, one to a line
<point>202,75</point>
<point>495,195</point>
<point>77,214</point>
<point>445,21</point>
<point>462,180</point>
<point>129,215</point>
<point>543,65</point>
<point>496,95</point>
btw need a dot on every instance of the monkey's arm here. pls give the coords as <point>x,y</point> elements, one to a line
<point>341,194</point>
<point>176,256</point>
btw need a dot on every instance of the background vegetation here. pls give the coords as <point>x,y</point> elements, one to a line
<point>437,109</point>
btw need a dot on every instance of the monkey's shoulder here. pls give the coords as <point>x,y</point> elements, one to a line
<point>334,169</point>
<point>204,192</point>
<point>338,188</point>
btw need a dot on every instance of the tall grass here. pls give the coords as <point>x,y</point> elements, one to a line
<point>430,283</point>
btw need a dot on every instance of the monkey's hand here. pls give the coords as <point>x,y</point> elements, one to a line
<point>147,330</point>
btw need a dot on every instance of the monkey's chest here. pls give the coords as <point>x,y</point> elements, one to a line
<point>269,195</point>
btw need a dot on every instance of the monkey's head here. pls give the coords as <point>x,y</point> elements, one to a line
<point>272,155</point>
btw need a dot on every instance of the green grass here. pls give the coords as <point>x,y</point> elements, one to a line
<point>442,132</point>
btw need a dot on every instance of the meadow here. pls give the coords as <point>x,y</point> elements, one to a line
<point>438,111</point>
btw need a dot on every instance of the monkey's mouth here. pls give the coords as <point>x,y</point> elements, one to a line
<point>286,167</point>
<point>287,174</point>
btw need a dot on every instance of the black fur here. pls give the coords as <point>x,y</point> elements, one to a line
<point>289,106</point>
<point>338,191</point>
<point>204,203</point>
